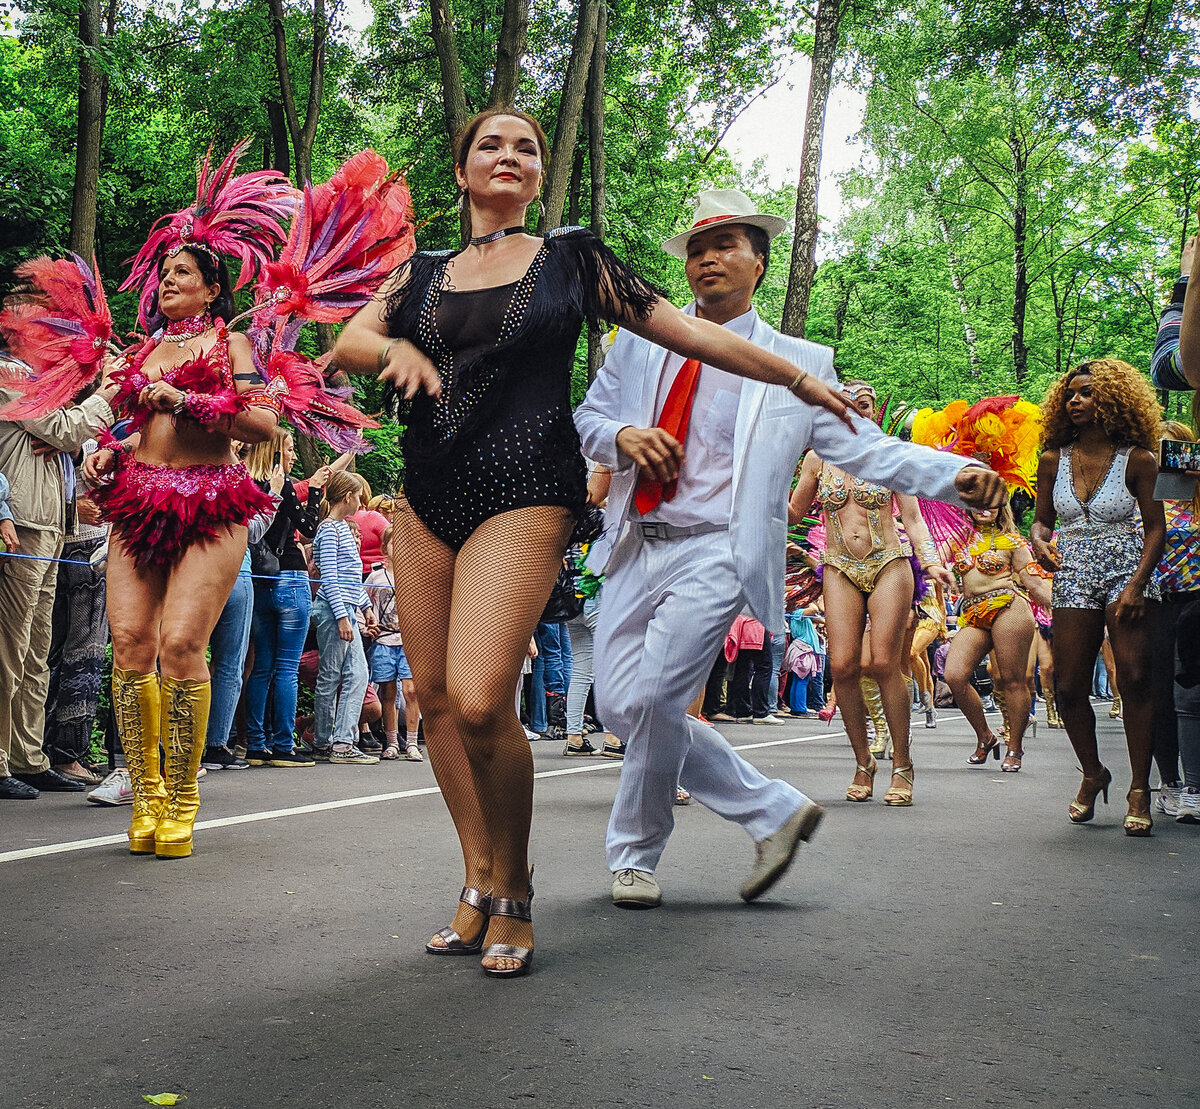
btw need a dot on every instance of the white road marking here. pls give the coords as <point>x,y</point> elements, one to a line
<point>350,802</point>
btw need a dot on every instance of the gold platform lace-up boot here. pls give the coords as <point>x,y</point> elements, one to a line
<point>185,705</point>
<point>135,701</point>
<point>874,702</point>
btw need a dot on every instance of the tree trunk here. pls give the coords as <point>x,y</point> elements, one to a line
<point>510,49</point>
<point>594,107</point>
<point>804,245</point>
<point>303,134</point>
<point>445,42</point>
<point>570,111</point>
<point>280,152</point>
<point>88,132</point>
<point>1020,351</point>
<point>960,288</point>
<point>576,187</point>
<point>839,312</point>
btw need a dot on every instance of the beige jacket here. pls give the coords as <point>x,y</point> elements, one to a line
<point>38,492</point>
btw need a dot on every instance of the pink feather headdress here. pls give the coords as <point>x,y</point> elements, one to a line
<point>62,330</point>
<point>241,217</point>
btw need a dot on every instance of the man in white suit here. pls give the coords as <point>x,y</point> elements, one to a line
<point>696,533</point>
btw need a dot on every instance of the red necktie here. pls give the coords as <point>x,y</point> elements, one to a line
<point>676,413</point>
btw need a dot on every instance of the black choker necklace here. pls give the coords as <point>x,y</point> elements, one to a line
<point>495,235</point>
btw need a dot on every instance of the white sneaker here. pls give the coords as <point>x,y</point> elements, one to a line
<point>770,718</point>
<point>116,789</point>
<point>1189,807</point>
<point>1168,800</point>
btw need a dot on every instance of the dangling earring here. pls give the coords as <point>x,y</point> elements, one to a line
<point>462,200</point>
<point>541,209</point>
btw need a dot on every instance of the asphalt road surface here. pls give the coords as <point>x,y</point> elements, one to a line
<point>975,950</point>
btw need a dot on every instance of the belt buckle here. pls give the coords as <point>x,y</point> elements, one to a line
<point>654,531</point>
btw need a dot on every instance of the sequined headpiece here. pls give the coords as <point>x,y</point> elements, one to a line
<point>240,217</point>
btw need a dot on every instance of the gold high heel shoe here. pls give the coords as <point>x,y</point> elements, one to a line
<point>1081,811</point>
<point>185,705</point>
<point>135,702</point>
<point>857,792</point>
<point>1135,823</point>
<point>1114,713</point>
<point>902,796</point>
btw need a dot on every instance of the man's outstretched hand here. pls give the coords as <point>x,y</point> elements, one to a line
<point>980,487</point>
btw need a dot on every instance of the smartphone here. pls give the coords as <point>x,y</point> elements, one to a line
<point>278,459</point>
<point>1178,455</point>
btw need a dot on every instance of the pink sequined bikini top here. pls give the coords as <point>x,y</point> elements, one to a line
<point>211,372</point>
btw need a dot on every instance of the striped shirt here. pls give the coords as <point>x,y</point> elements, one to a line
<point>1165,370</point>
<point>340,568</point>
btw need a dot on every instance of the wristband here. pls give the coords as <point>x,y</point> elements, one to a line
<point>795,384</point>
<point>927,553</point>
<point>381,360</point>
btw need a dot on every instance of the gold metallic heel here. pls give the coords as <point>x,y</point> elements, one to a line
<point>856,792</point>
<point>136,706</point>
<point>1081,811</point>
<point>185,705</point>
<point>1136,824</point>
<point>901,797</point>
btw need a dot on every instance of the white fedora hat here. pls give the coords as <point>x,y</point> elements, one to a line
<point>718,206</point>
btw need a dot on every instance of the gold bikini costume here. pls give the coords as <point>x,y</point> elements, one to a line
<point>833,491</point>
<point>986,555</point>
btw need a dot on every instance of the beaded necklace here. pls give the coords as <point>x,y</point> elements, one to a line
<point>180,331</point>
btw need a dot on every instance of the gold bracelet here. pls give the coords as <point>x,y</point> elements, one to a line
<point>381,362</point>
<point>799,378</point>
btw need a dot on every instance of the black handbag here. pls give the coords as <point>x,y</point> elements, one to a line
<point>565,602</point>
<point>264,558</point>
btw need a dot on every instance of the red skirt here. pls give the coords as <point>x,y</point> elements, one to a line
<point>157,512</point>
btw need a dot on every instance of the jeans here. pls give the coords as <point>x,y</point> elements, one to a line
<point>582,631</point>
<point>776,649</point>
<point>280,623</point>
<point>339,664</point>
<point>551,670</point>
<point>228,644</point>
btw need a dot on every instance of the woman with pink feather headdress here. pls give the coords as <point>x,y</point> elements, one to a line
<point>176,497</point>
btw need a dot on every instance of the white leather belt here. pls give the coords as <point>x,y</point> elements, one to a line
<point>657,530</point>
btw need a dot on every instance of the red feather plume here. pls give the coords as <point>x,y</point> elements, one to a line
<point>349,234</point>
<point>297,384</point>
<point>61,330</point>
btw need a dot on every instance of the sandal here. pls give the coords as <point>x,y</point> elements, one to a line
<point>518,910</point>
<point>857,792</point>
<point>413,753</point>
<point>455,944</point>
<point>982,750</point>
<point>1077,810</point>
<point>391,752</point>
<point>1012,761</point>
<point>902,796</point>
<point>1135,823</point>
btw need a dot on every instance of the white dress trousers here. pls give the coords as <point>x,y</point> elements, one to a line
<point>666,610</point>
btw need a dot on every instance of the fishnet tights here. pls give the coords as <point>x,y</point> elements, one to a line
<point>467,621</point>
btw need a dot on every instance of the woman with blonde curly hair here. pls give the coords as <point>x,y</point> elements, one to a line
<point>1096,474</point>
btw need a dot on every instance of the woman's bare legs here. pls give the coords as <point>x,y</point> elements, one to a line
<point>502,580</point>
<point>1131,650</point>
<point>1012,637</point>
<point>845,624</point>
<point>967,651</point>
<point>890,606</point>
<point>424,574</point>
<point>1078,633</point>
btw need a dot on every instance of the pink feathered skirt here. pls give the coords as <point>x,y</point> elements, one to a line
<point>158,512</point>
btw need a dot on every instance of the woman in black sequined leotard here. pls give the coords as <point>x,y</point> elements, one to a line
<point>479,345</point>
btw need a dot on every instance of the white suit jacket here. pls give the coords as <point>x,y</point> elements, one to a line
<point>772,431</point>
